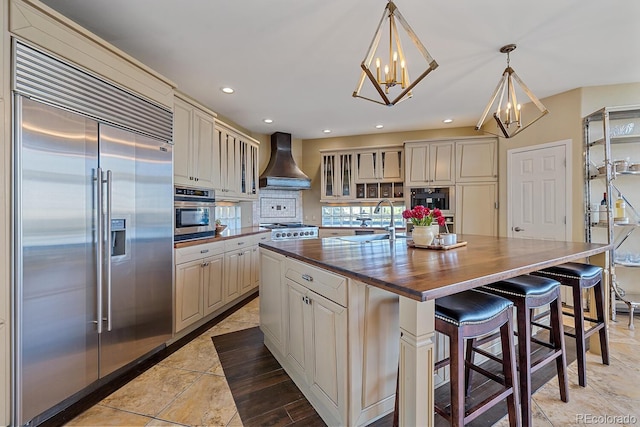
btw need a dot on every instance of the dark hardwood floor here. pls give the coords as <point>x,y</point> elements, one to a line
<point>266,396</point>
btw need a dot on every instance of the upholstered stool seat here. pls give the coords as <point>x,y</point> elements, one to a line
<point>527,293</point>
<point>467,315</point>
<point>579,277</point>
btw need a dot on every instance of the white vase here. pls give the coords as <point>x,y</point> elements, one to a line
<point>422,235</point>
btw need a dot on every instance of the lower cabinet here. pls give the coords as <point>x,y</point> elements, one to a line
<point>317,346</point>
<point>330,334</point>
<point>477,208</point>
<point>210,276</point>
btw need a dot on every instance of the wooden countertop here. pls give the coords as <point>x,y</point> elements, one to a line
<point>424,274</point>
<point>226,234</point>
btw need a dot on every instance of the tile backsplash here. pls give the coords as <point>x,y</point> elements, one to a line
<point>280,206</point>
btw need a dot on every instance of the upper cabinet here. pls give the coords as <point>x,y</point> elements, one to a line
<point>195,148</point>
<point>378,164</point>
<point>429,163</point>
<point>337,178</point>
<point>237,163</point>
<point>477,160</point>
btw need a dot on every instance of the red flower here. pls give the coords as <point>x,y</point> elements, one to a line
<point>421,215</point>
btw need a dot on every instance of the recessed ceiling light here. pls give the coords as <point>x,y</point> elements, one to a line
<point>268,121</point>
<point>227,90</point>
<point>327,131</point>
<point>379,126</point>
<point>447,121</point>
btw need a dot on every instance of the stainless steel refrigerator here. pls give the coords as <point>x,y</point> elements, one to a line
<point>93,237</point>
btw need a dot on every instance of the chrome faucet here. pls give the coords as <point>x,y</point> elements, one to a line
<point>392,227</point>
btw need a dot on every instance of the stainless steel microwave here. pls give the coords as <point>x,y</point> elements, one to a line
<point>194,213</point>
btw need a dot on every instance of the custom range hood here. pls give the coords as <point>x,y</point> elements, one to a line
<point>282,173</point>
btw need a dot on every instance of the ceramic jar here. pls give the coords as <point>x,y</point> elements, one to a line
<point>423,235</point>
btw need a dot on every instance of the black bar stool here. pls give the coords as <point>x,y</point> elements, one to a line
<point>583,276</point>
<point>527,293</point>
<point>467,315</point>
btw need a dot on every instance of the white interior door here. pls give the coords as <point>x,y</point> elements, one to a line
<point>538,200</point>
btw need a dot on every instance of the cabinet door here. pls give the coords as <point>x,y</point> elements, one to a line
<point>272,298</point>
<point>326,352</point>
<point>189,304</point>
<point>477,160</point>
<point>213,283</point>
<point>295,343</point>
<point>476,208</point>
<point>246,271</point>
<point>233,276</point>
<point>255,267</point>
<point>233,164</point>
<point>417,168</point>
<point>328,176</point>
<point>183,147</point>
<point>203,136</point>
<point>345,179</point>
<point>367,164</point>
<point>391,164</point>
<point>441,163</point>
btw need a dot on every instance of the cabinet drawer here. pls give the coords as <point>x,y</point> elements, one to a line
<point>239,243</point>
<point>322,282</point>
<point>193,253</point>
<point>261,238</point>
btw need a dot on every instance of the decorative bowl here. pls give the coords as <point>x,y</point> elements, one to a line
<point>220,228</point>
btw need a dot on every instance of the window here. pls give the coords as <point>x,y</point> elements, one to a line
<point>229,214</point>
<point>358,215</point>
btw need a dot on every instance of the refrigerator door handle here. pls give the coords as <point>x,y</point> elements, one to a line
<point>99,248</point>
<point>109,247</point>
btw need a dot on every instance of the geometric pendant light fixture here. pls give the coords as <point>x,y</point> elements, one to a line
<point>389,74</point>
<point>508,113</point>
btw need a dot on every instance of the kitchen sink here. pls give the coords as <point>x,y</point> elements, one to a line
<point>366,238</point>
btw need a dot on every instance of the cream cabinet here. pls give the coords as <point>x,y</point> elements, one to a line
<point>195,149</point>
<point>477,208</point>
<point>477,160</point>
<point>429,163</point>
<point>272,300</point>
<point>238,163</point>
<point>336,179</point>
<point>329,334</point>
<point>317,345</point>
<point>212,275</point>
<point>373,165</point>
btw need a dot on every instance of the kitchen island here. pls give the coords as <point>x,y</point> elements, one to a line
<point>415,277</point>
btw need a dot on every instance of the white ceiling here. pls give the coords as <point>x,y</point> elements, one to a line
<point>298,61</point>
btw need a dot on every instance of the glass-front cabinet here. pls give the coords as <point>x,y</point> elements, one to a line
<point>362,174</point>
<point>337,177</point>
<point>612,197</point>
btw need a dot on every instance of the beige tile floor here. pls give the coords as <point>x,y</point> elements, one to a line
<point>189,389</point>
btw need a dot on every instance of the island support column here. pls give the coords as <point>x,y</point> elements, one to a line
<point>416,386</point>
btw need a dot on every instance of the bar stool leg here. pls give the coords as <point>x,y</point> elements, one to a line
<point>598,291</point>
<point>456,356</point>
<point>557,338</point>
<point>524,360</point>
<point>510,370</point>
<point>469,360</point>
<point>580,341</point>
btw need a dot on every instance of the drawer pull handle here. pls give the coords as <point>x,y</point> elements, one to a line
<point>240,243</point>
<point>205,264</point>
<point>204,251</point>
<point>307,277</point>
<point>306,300</point>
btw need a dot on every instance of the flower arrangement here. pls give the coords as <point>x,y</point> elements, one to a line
<point>422,216</point>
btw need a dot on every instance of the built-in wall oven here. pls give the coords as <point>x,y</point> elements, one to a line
<point>194,213</point>
<point>436,197</point>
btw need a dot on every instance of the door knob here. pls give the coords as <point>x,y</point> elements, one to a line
<point>518,229</point>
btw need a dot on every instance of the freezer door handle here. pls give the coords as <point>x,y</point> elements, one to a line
<point>99,249</point>
<point>109,247</point>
